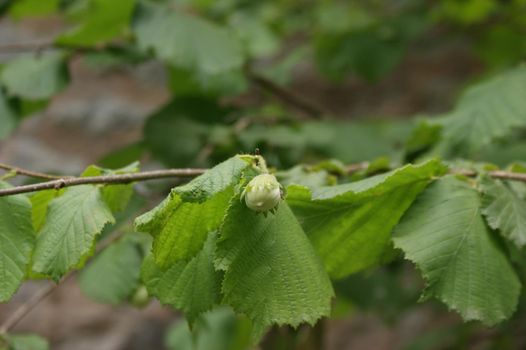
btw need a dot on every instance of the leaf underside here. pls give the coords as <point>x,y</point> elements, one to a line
<point>464,266</point>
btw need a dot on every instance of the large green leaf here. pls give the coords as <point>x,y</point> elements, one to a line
<point>272,273</point>
<point>68,235</point>
<point>190,285</point>
<point>17,239</point>
<point>8,116</point>
<point>186,227</point>
<point>504,210</point>
<point>186,41</point>
<point>181,223</point>
<point>35,77</point>
<point>113,276</point>
<point>350,224</point>
<point>380,184</point>
<point>464,266</point>
<point>489,110</point>
<point>102,21</point>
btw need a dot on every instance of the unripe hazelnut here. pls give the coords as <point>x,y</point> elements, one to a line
<point>263,193</point>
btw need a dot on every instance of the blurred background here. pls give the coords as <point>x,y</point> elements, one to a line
<point>102,82</point>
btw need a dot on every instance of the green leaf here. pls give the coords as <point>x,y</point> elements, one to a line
<point>425,134</point>
<point>350,224</point>
<point>68,235</point>
<point>487,111</point>
<point>187,120</point>
<point>40,202</point>
<point>370,52</point>
<point>113,276</point>
<point>36,77</point>
<point>27,342</point>
<point>379,184</point>
<point>116,196</point>
<point>219,329</point>
<point>504,210</point>
<point>102,22</point>
<point>17,239</point>
<point>216,179</point>
<point>123,156</point>
<point>181,223</point>
<point>186,226</point>
<point>185,82</point>
<point>190,285</point>
<point>305,176</point>
<point>30,8</point>
<point>272,273</point>
<point>8,116</point>
<point>256,36</point>
<point>464,266</point>
<point>186,41</point>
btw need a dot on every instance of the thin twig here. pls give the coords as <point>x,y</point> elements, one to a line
<point>30,173</point>
<point>190,172</point>
<point>288,97</point>
<point>504,175</point>
<point>47,290</point>
<point>105,179</point>
<point>352,168</point>
<point>26,47</point>
<point>496,174</point>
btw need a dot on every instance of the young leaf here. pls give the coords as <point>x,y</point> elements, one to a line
<point>464,266</point>
<point>272,273</point>
<point>116,196</point>
<point>350,224</point>
<point>191,285</point>
<point>113,276</point>
<point>186,41</point>
<point>68,235</point>
<point>181,223</point>
<point>40,202</point>
<point>487,111</point>
<point>504,210</point>
<point>36,77</point>
<point>17,239</point>
<point>103,21</point>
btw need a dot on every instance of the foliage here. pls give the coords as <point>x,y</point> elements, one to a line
<point>234,272</point>
<point>18,240</point>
